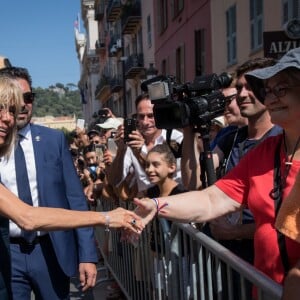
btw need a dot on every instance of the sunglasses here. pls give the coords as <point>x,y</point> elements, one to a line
<point>228,99</point>
<point>28,97</point>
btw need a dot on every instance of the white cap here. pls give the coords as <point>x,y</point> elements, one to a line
<point>111,123</point>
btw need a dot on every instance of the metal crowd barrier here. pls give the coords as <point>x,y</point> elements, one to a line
<point>177,261</point>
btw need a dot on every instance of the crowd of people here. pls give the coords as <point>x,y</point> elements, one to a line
<point>37,254</point>
<point>261,114</point>
<point>255,155</point>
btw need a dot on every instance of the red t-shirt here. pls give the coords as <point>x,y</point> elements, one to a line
<point>250,183</point>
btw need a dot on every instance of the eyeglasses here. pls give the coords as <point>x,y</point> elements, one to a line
<point>275,92</point>
<point>28,97</point>
<point>228,99</point>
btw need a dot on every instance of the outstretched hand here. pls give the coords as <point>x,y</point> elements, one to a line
<point>122,218</point>
<point>146,209</point>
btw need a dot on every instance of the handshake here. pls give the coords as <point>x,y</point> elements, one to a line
<point>145,211</point>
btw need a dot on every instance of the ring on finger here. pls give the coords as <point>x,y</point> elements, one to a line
<point>133,222</point>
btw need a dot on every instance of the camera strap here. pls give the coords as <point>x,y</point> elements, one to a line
<point>175,147</point>
<point>276,195</point>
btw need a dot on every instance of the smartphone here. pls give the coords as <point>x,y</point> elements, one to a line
<point>100,149</point>
<point>112,146</point>
<point>129,126</point>
<point>80,123</point>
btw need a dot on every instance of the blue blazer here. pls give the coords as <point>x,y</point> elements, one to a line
<point>5,268</point>
<point>59,186</point>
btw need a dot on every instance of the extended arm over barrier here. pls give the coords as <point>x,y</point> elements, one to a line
<point>180,263</point>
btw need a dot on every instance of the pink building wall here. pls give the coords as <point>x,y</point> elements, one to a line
<point>180,31</point>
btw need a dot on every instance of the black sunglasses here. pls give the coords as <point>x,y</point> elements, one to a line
<point>228,99</point>
<point>28,97</point>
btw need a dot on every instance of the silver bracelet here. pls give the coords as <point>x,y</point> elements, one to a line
<point>107,221</point>
<point>157,204</point>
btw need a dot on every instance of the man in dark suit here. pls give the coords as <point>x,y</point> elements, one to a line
<point>45,264</point>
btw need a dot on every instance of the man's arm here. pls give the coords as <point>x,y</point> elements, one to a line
<point>190,165</point>
<point>114,174</point>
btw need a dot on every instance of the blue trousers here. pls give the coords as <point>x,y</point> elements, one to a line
<point>35,268</point>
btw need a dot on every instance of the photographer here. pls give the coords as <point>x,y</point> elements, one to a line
<point>128,167</point>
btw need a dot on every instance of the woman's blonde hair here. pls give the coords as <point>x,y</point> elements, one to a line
<point>10,99</point>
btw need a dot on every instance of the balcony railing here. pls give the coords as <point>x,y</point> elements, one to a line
<point>116,84</point>
<point>113,11</point>
<point>131,17</point>
<point>134,66</point>
<point>103,87</point>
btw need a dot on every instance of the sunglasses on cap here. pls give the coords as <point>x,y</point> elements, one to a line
<point>28,97</point>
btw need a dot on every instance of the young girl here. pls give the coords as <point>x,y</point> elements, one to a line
<point>160,169</point>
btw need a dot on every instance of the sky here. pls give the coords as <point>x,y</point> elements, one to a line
<point>39,35</point>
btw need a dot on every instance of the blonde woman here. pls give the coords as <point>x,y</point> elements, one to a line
<point>39,218</point>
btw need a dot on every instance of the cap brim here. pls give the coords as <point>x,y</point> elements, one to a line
<point>111,123</point>
<point>256,77</point>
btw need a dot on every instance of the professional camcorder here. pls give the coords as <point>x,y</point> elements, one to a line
<point>179,105</point>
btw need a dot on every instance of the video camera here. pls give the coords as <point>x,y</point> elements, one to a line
<point>179,105</point>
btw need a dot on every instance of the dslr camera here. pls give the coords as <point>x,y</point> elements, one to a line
<point>192,103</point>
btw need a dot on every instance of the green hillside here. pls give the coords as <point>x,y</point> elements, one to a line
<point>58,100</point>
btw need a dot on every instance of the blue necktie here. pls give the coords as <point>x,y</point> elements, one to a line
<point>23,184</point>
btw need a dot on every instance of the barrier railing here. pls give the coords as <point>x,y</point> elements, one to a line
<point>177,261</point>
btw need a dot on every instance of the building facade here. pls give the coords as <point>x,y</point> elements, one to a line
<point>68,123</point>
<point>126,40</point>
